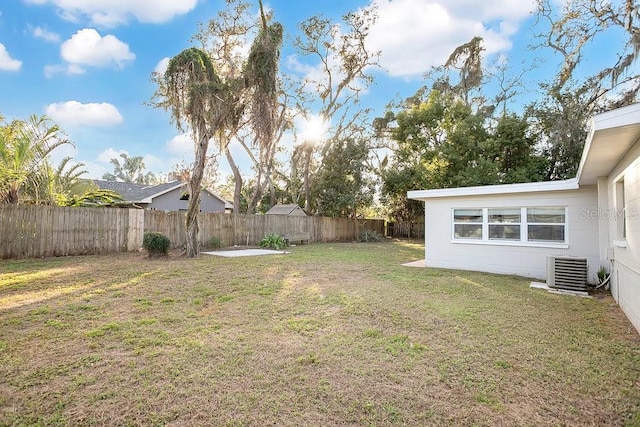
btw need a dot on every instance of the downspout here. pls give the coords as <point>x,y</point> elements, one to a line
<point>603,220</point>
<point>604,242</point>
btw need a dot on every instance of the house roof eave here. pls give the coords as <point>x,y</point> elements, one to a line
<point>149,198</point>
<point>485,190</point>
<point>611,135</point>
<point>227,204</point>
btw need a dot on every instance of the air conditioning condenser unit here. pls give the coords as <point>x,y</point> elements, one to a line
<point>565,272</point>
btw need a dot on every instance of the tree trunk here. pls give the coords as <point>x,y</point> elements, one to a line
<point>307,184</point>
<point>272,193</point>
<point>269,178</point>
<point>12,195</point>
<point>194,186</point>
<point>237,189</point>
<point>257,193</point>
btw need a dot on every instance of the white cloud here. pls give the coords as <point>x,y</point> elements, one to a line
<point>95,170</point>
<point>52,70</point>
<point>44,34</point>
<point>153,163</point>
<point>179,151</point>
<point>88,47</point>
<point>6,62</point>
<point>313,74</point>
<point>110,13</point>
<point>110,153</point>
<point>180,146</point>
<point>64,150</point>
<point>161,66</point>
<point>74,69</point>
<point>74,113</point>
<point>415,35</point>
<point>316,78</point>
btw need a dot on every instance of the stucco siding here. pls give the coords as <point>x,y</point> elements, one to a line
<point>171,202</point>
<point>625,280</point>
<point>209,203</point>
<point>526,260</point>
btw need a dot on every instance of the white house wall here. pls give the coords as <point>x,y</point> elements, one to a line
<point>522,260</point>
<point>625,280</point>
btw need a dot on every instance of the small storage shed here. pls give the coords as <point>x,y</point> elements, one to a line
<point>286,210</point>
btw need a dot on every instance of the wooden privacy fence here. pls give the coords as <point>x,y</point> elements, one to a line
<point>39,231</point>
<point>250,229</point>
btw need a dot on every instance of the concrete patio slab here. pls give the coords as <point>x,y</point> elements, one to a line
<point>245,252</point>
<point>419,263</point>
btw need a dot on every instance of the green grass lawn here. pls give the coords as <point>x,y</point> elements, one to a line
<point>331,334</point>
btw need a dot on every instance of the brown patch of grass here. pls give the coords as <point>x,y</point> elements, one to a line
<point>332,334</point>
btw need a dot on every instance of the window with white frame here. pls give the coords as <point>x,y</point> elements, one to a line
<point>467,224</point>
<point>504,224</point>
<point>546,224</point>
<point>536,225</point>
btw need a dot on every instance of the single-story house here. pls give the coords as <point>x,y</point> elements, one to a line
<point>287,210</point>
<point>531,229</point>
<point>168,196</point>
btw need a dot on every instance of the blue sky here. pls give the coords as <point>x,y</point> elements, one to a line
<point>87,64</point>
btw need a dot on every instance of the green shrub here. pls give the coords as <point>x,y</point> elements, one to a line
<point>156,243</point>
<point>603,273</point>
<point>274,241</point>
<point>213,243</point>
<point>371,236</point>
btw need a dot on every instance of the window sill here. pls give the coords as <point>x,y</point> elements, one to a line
<point>620,243</point>
<point>513,243</point>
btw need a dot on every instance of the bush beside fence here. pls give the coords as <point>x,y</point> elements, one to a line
<point>40,231</point>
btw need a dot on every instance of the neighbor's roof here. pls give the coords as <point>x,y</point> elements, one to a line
<point>611,135</point>
<point>527,187</point>
<point>143,193</point>
<point>137,193</point>
<point>284,210</point>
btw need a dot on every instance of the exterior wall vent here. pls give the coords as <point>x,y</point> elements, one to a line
<point>567,273</point>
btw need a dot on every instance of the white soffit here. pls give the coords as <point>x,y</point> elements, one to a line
<point>611,135</point>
